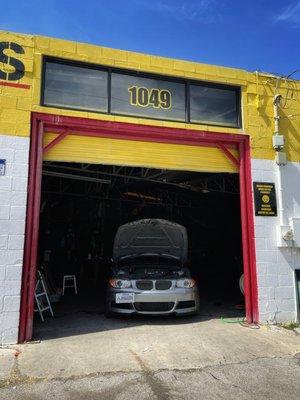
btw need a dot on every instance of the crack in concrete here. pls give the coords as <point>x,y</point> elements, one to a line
<point>16,377</point>
<point>230,384</point>
<point>110,393</point>
<point>159,390</point>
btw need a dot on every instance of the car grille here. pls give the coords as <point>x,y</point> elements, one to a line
<point>154,307</point>
<point>163,285</point>
<point>144,285</point>
<point>123,306</point>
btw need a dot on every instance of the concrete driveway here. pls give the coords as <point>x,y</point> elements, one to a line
<point>147,358</point>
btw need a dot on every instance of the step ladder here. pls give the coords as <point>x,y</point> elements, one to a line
<point>41,297</point>
<point>71,279</point>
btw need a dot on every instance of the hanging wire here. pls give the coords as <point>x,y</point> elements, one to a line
<point>292,73</point>
<point>291,88</point>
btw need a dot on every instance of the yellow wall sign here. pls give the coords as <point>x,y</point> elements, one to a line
<point>12,69</point>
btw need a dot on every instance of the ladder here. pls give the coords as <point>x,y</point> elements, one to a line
<point>41,297</point>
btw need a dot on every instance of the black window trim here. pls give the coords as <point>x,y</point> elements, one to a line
<point>232,88</point>
<point>187,82</point>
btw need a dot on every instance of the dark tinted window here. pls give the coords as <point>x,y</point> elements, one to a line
<point>75,87</point>
<point>100,89</point>
<point>215,106</point>
<point>147,97</point>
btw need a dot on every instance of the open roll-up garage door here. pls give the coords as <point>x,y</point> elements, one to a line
<point>70,139</point>
<point>99,150</point>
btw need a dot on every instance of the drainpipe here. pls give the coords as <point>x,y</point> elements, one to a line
<point>284,231</point>
<point>276,103</point>
<point>280,196</point>
<point>278,144</point>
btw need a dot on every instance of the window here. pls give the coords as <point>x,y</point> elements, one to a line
<point>147,97</point>
<point>214,105</point>
<point>75,87</point>
<point>108,90</point>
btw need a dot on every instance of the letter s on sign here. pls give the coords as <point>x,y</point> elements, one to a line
<point>19,67</point>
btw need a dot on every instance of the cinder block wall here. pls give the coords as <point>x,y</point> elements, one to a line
<point>13,198</point>
<point>275,265</point>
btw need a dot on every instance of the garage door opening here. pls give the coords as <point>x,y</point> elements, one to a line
<point>82,206</point>
<point>71,139</point>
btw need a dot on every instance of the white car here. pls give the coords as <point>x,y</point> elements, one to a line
<point>149,275</point>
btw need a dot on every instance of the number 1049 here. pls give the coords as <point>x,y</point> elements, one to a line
<point>144,97</point>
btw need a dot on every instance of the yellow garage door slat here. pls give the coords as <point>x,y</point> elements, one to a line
<point>94,150</point>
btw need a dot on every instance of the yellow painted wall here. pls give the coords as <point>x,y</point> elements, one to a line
<point>258,90</point>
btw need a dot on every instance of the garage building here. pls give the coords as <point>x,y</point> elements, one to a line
<point>92,138</point>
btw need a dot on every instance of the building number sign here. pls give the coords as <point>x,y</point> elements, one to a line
<point>148,97</point>
<point>144,97</point>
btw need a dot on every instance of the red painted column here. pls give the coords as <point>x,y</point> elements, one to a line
<point>28,233</point>
<point>248,240</point>
<point>31,232</point>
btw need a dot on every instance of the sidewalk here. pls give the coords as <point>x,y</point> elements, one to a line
<point>142,348</point>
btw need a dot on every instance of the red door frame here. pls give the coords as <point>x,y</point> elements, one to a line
<point>63,126</point>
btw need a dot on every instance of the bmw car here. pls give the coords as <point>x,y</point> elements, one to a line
<point>149,273</point>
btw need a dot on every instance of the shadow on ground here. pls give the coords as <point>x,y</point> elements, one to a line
<point>79,315</point>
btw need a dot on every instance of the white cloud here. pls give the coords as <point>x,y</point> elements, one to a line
<point>290,14</point>
<point>205,11</point>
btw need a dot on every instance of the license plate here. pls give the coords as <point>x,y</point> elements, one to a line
<point>124,298</point>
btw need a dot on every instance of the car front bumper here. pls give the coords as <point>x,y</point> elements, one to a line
<point>178,301</point>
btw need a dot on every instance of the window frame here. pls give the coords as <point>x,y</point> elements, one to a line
<point>142,74</point>
<point>73,64</point>
<point>238,105</point>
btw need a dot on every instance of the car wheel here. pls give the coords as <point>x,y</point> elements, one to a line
<point>107,312</point>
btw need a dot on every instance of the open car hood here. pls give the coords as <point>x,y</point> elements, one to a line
<point>151,237</point>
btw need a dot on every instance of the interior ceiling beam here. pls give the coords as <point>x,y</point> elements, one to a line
<point>75,177</point>
<point>219,182</point>
<point>121,199</point>
<point>116,171</point>
<point>220,185</point>
<point>104,191</point>
<point>157,175</point>
<point>117,175</point>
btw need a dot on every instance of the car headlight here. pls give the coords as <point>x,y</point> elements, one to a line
<point>120,283</point>
<point>185,283</point>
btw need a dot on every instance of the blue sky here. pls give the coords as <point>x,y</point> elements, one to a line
<point>254,35</point>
